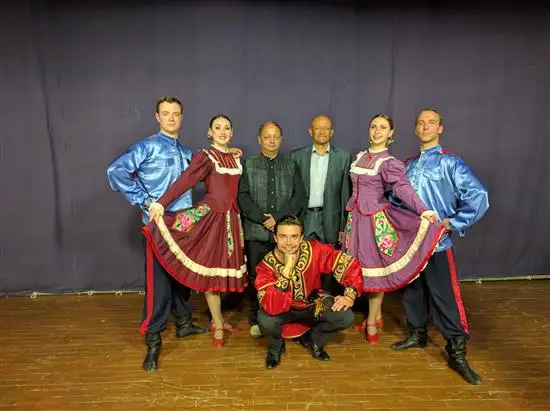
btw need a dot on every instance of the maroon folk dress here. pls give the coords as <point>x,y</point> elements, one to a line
<point>202,246</point>
<point>392,244</point>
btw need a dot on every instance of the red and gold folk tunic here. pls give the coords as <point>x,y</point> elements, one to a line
<point>202,246</point>
<point>278,295</point>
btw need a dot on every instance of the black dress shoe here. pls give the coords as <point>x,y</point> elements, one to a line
<point>273,359</point>
<point>317,352</point>
<point>186,329</point>
<point>150,363</point>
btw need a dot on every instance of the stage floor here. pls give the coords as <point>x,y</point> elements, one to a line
<point>84,353</point>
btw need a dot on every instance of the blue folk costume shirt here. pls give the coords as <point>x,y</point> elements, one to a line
<point>447,185</point>
<point>144,172</point>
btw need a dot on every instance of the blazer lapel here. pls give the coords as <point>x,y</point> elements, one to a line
<point>332,162</point>
<point>307,169</point>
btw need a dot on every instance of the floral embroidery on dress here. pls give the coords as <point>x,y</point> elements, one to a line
<point>384,234</point>
<point>347,230</point>
<point>241,230</point>
<point>230,241</point>
<point>186,219</point>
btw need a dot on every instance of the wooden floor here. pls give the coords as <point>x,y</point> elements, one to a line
<point>84,353</point>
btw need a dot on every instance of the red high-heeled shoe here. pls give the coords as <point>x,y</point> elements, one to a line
<point>226,327</point>
<point>372,338</point>
<point>363,325</point>
<point>217,342</point>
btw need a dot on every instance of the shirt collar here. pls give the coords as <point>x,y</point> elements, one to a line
<point>378,151</point>
<point>313,148</point>
<point>432,149</point>
<point>171,140</point>
<point>269,158</point>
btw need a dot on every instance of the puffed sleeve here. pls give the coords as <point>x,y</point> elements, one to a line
<point>121,172</point>
<point>472,196</point>
<point>346,192</point>
<point>345,268</point>
<point>393,172</point>
<point>198,170</point>
<point>274,291</point>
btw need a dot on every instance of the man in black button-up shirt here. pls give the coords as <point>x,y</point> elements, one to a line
<point>270,187</point>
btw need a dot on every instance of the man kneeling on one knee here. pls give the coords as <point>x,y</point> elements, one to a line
<point>288,280</point>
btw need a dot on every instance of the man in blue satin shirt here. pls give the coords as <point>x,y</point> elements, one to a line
<point>142,174</point>
<point>447,185</point>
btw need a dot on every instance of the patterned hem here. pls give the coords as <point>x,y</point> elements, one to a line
<point>387,279</point>
<point>193,280</point>
<point>187,262</point>
<point>407,257</point>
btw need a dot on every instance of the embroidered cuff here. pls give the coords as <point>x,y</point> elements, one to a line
<point>282,284</point>
<point>350,292</point>
<point>341,265</point>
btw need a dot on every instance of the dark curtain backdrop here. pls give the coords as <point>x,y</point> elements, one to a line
<point>78,86</point>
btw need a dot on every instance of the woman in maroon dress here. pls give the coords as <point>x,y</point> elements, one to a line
<point>391,243</point>
<point>202,246</point>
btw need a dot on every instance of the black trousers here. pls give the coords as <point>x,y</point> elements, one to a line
<point>163,295</point>
<point>437,291</point>
<point>255,251</point>
<point>322,329</point>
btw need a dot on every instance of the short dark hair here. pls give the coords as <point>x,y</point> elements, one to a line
<point>217,116</point>
<point>169,99</point>
<point>288,220</point>
<point>267,123</point>
<point>433,110</point>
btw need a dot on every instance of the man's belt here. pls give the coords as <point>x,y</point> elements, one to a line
<point>315,209</point>
<point>319,302</point>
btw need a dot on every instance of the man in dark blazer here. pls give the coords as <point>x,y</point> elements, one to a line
<point>325,171</point>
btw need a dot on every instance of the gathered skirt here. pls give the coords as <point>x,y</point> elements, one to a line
<point>393,245</point>
<point>201,248</point>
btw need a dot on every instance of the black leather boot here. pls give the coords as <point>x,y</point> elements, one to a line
<point>273,359</point>
<point>418,338</point>
<point>185,328</point>
<point>153,341</point>
<point>456,350</point>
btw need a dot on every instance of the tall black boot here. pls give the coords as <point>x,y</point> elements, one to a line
<point>456,350</point>
<point>418,338</point>
<point>153,341</point>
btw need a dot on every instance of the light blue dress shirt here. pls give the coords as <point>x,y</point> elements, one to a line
<point>318,177</point>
